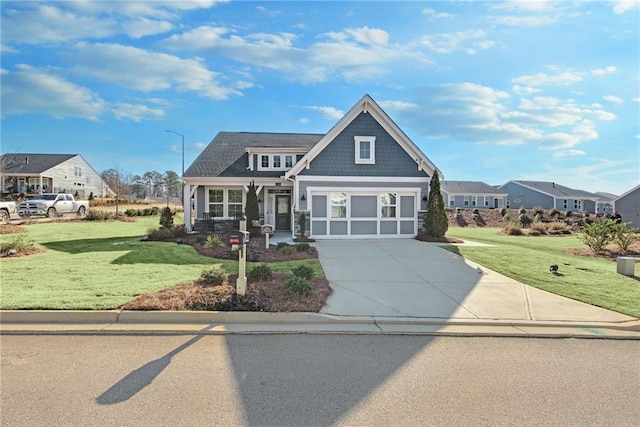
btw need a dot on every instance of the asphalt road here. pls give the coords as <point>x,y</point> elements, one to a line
<point>301,380</point>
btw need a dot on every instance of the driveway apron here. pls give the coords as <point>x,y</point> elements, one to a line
<point>410,278</point>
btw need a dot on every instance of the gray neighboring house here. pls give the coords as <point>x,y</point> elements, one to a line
<point>548,195</point>
<point>628,205</point>
<point>472,194</point>
<point>604,204</point>
<point>50,173</point>
<point>364,178</point>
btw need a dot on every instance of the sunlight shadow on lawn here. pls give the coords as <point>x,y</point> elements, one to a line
<point>137,252</point>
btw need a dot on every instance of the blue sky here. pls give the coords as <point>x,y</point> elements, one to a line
<point>490,91</point>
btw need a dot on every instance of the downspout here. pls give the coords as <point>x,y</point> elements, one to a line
<point>294,204</point>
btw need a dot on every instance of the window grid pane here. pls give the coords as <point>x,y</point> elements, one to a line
<point>338,205</point>
<point>288,161</point>
<point>276,161</point>
<point>365,149</point>
<point>235,196</point>
<point>265,161</point>
<point>388,204</point>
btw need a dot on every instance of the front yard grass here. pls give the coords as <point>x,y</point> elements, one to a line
<point>527,259</point>
<point>103,265</point>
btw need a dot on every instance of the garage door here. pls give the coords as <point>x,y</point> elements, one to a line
<point>339,215</point>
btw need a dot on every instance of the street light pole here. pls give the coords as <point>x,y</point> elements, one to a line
<point>182,136</point>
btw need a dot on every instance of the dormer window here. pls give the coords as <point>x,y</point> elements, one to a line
<point>365,149</point>
<point>276,162</point>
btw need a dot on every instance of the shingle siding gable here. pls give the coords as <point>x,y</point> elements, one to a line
<point>338,157</point>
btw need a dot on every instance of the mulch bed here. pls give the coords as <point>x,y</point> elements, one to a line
<point>266,296</point>
<point>256,251</point>
<point>610,252</point>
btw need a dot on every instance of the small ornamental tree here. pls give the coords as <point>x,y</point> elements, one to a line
<point>251,209</point>
<point>166,219</point>
<point>436,221</point>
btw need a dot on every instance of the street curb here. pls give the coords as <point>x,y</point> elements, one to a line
<point>117,322</point>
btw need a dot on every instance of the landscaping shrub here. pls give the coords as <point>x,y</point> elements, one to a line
<point>624,235</point>
<point>303,247</point>
<point>281,245</point>
<point>213,241</point>
<point>541,229</point>
<point>537,210</point>
<point>166,218</point>
<point>524,220</point>
<point>298,285</point>
<point>534,233</point>
<point>287,250</point>
<point>161,234</point>
<point>503,211</point>
<point>436,222</point>
<point>476,211</point>
<point>554,213</point>
<point>261,272</point>
<point>556,226</point>
<point>569,214</point>
<point>599,234</point>
<point>99,215</point>
<point>131,212</point>
<point>303,271</point>
<point>215,276</point>
<point>303,226</point>
<point>512,230</point>
<point>18,244</point>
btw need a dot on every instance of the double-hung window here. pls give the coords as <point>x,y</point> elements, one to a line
<point>577,205</point>
<point>234,205</point>
<point>338,205</point>
<point>365,149</point>
<point>216,203</point>
<point>388,205</point>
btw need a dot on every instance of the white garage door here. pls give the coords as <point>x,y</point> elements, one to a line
<point>341,215</point>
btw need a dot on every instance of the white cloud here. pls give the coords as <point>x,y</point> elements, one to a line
<point>7,49</point>
<point>568,153</point>
<point>145,27</point>
<point>623,6</point>
<point>604,71</point>
<point>32,90</point>
<point>397,105</point>
<point>475,113</point>
<point>135,112</point>
<point>148,71</point>
<point>466,41</point>
<point>529,13</point>
<point>524,21</point>
<point>328,112</point>
<point>560,79</point>
<point>432,14</point>
<point>354,53</point>
<point>303,120</point>
<point>614,99</point>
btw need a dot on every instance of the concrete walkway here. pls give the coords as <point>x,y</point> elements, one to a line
<point>409,278</point>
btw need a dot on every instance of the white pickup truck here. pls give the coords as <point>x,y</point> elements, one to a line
<point>6,210</point>
<point>53,205</point>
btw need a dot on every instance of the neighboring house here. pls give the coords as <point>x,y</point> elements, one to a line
<point>472,194</point>
<point>49,173</point>
<point>363,179</point>
<point>628,205</point>
<point>604,204</point>
<point>548,195</point>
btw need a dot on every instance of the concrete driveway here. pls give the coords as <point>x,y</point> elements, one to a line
<point>409,278</point>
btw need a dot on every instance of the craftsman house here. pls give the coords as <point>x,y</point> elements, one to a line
<point>364,178</point>
<point>472,194</point>
<point>628,205</point>
<point>49,173</point>
<point>548,195</point>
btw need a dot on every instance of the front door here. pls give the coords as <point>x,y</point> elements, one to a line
<point>283,212</point>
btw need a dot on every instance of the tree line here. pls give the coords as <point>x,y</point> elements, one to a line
<point>148,185</point>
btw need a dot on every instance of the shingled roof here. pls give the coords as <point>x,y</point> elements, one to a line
<point>29,163</point>
<point>557,190</point>
<point>226,154</point>
<point>468,187</point>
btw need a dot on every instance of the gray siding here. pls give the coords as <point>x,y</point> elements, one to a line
<point>527,198</point>
<point>201,208</point>
<point>338,158</point>
<point>629,207</point>
<point>65,178</point>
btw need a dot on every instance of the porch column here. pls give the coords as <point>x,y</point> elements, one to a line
<point>186,206</point>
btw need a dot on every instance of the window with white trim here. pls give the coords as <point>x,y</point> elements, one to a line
<point>365,149</point>
<point>338,205</point>
<point>564,204</point>
<point>216,203</point>
<point>467,200</point>
<point>279,162</point>
<point>577,205</point>
<point>388,205</point>
<point>452,200</point>
<point>234,204</point>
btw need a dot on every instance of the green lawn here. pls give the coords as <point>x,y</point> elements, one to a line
<point>102,265</point>
<point>527,259</point>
